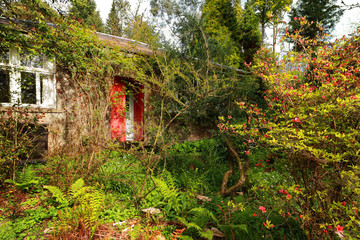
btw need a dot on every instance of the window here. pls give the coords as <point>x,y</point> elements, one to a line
<point>26,80</point>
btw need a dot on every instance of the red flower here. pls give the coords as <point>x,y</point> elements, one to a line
<point>343,203</point>
<point>296,120</point>
<point>254,215</point>
<point>325,231</point>
<point>263,209</point>
<point>339,229</point>
<point>288,196</point>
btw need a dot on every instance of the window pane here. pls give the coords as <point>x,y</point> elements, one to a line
<point>28,87</point>
<point>4,86</point>
<point>28,60</point>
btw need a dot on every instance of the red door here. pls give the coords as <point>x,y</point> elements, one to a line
<point>118,119</point>
<point>118,110</point>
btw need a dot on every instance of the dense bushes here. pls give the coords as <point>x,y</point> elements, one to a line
<point>312,125</point>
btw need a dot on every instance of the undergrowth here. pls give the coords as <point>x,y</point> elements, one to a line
<point>61,201</point>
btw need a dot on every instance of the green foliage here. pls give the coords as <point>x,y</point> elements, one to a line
<point>27,180</point>
<point>196,165</point>
<point>199,219</point>
<point>7,231</point>
<point>312,122</point>
<point>18,137</point>
<point>270,11</point>
<point>327,13</point>
<point>81,208</point>
<point>85,10</point>
<point>58,195</point>
<point>221,26</point>
<point>118,17</point>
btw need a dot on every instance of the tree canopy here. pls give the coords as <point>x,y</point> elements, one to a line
<point>325,12</point>
<point>85,10</point>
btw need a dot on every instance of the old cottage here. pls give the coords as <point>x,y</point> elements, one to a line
<point>32,84</point>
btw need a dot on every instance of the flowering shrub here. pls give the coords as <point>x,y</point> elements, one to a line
<point>313,121</point>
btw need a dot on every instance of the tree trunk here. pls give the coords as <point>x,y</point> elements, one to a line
<point>262,35</point>
<point>242,172</point>
<point>274,36</point>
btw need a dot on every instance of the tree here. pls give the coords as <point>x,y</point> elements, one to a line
<point>222,28</point>
<point>23,9</point>
<point>250,33</point>
<point>118,17</point>
<point>142,31</point>
<point>269,11</point>
<point>313,128</point>
<point>85,10</point>
<point>325,12</point>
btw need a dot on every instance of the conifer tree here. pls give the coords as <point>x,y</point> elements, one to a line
<point>118,17</point>
<point>86,11</point>
<point>325,11</point>
<point>250,32</point>
<point>223,30</point>
<point>143,31</point>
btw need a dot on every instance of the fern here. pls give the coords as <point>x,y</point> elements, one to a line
<point>186,238</point>
<point>169,192</point>
<point>87,206</point>
<point>58,195</point>
<point>76,187</point>
<point>207,234</point>
<point>26,179</point>
<point>91,204</point>
<point>202,216</point>
<point>194,225</point>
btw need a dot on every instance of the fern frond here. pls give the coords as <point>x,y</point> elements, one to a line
<point>169,192</point>
<point>241,227</point>
<point>177,233</point>
<point>76,187</point>
<point>208,234</point>
<point>91,204</point>
<point>202,216</point>
<point>182,220</point>
<point>58,195</point>
<point>194,225</point>
<point>186,238</point>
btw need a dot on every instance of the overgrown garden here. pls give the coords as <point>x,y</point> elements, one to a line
<point>279,153</point>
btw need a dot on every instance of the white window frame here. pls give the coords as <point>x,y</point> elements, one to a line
<point>45,72</point>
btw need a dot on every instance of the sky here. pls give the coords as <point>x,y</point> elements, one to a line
<point>346,25</point>
<point>104,6</point>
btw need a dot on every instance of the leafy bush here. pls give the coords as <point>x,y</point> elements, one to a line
<point>197,166</point>
<point>313,121</point>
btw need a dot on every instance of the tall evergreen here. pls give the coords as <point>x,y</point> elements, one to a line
<point>223,30</point>
<point>118,17</point>
<point>325,11</point>
<point>250,32</point>
<point>234,31</point>
<point>86,11</point>
<point>141,30</point>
